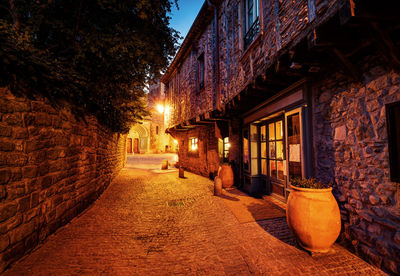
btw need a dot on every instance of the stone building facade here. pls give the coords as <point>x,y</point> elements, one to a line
<point>284,89</point>
<point>52,166</point>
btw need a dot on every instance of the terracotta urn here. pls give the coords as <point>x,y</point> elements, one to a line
<point>313,216</point>
<point>226,175</point>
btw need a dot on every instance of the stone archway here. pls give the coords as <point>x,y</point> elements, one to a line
<point>139,137</point>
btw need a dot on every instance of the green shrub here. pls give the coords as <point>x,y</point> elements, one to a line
<point>310,183</point>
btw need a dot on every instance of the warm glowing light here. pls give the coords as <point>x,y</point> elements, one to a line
<point>228,145</point>
<point>175,141</point>
<point>160,108</point>
<point>166,110</point>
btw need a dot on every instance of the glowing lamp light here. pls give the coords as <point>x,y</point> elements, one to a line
<point>167,109</point>
<point>160,108</point>
<point>228,145</point>
<point>175,141</point>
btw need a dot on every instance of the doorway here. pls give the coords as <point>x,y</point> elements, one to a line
<point>136,145</point>
<point>272,156</point>
<point>129,145</point>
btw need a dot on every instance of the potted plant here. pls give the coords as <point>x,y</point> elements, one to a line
<point>313,214</point>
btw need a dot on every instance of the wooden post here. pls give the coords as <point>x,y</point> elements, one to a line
<point>181,172</point>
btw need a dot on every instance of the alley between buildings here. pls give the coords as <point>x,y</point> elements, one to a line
<point>149,223</point>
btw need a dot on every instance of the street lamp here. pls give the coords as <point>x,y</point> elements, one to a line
<point>160,108</point>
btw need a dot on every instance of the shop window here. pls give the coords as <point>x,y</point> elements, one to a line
<point>220,149</point>
<point>393,128</point>
<point>254,149</point>
<point>275,152</point>
<point>193,144</point>
<point>201,72</point>
<point>227,145</point>
<point>246,149</point>
<point>251,22</point>
<point>263,143</point>
<point>293,138</point>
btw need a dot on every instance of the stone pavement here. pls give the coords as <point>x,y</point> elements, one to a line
<point>157,224</point>
<point>149,161</point>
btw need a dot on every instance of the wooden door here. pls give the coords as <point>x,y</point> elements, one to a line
<point>129,145</point>
<point>136,145</point>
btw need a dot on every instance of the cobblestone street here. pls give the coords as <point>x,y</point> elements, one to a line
<point>150,223</point>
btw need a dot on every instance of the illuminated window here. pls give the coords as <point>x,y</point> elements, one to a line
<point>227,145</point>
<point>393,127</point>
<point>221,149</point>
<point>193,144</point>
<point>246,150</point>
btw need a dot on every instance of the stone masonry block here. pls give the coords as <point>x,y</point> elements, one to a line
<point>5,175</point>
<point>6,146</point>
<point>7,211</point>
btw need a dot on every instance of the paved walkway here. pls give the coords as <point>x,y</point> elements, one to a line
<point>157,224</point>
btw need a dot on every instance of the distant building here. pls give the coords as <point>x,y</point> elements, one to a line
<point>308,88</point>
<point>149,136</point>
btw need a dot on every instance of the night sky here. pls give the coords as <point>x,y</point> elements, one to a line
<point>183,18</point>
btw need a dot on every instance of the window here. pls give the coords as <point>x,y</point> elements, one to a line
<point>227,145</point>
<point>275,150</point>
<point>193,144</point>
<point>201,72</point>
<point>156,129</point>
<point>393,128</point>
<point>220,149</point>
<point>246,149</point>
<point>251,24</point>
<point>293,138</point>
<point>254,149</point>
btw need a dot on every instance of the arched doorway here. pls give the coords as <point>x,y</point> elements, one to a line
<point>138,138</point>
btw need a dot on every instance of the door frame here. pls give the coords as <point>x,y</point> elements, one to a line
<point>270,181</point>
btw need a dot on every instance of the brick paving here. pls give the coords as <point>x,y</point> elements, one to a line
<point>157,224</point>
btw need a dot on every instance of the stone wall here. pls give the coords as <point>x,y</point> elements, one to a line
<point>183,96</point>
<point>351,149</point>
<point>52,166</point>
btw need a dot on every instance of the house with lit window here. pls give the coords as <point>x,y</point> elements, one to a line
<point>282,89</point>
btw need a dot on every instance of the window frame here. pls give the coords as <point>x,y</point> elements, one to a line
<point>226,148</point>
<point>393,131</point>
<point>201,75</point>
<point>193,140</point>
<point>255,23</point>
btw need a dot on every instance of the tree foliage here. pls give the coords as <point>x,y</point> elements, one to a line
<point>97,54</point>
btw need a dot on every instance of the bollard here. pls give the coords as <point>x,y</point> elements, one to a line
<point>164,165</point>
<point>181,172</point>
<point>217,186</point>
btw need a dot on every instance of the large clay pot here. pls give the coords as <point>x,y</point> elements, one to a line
<point>313,216</point>
<point>226,175</point>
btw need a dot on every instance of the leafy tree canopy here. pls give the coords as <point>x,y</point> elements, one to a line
<point>97,54</point>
